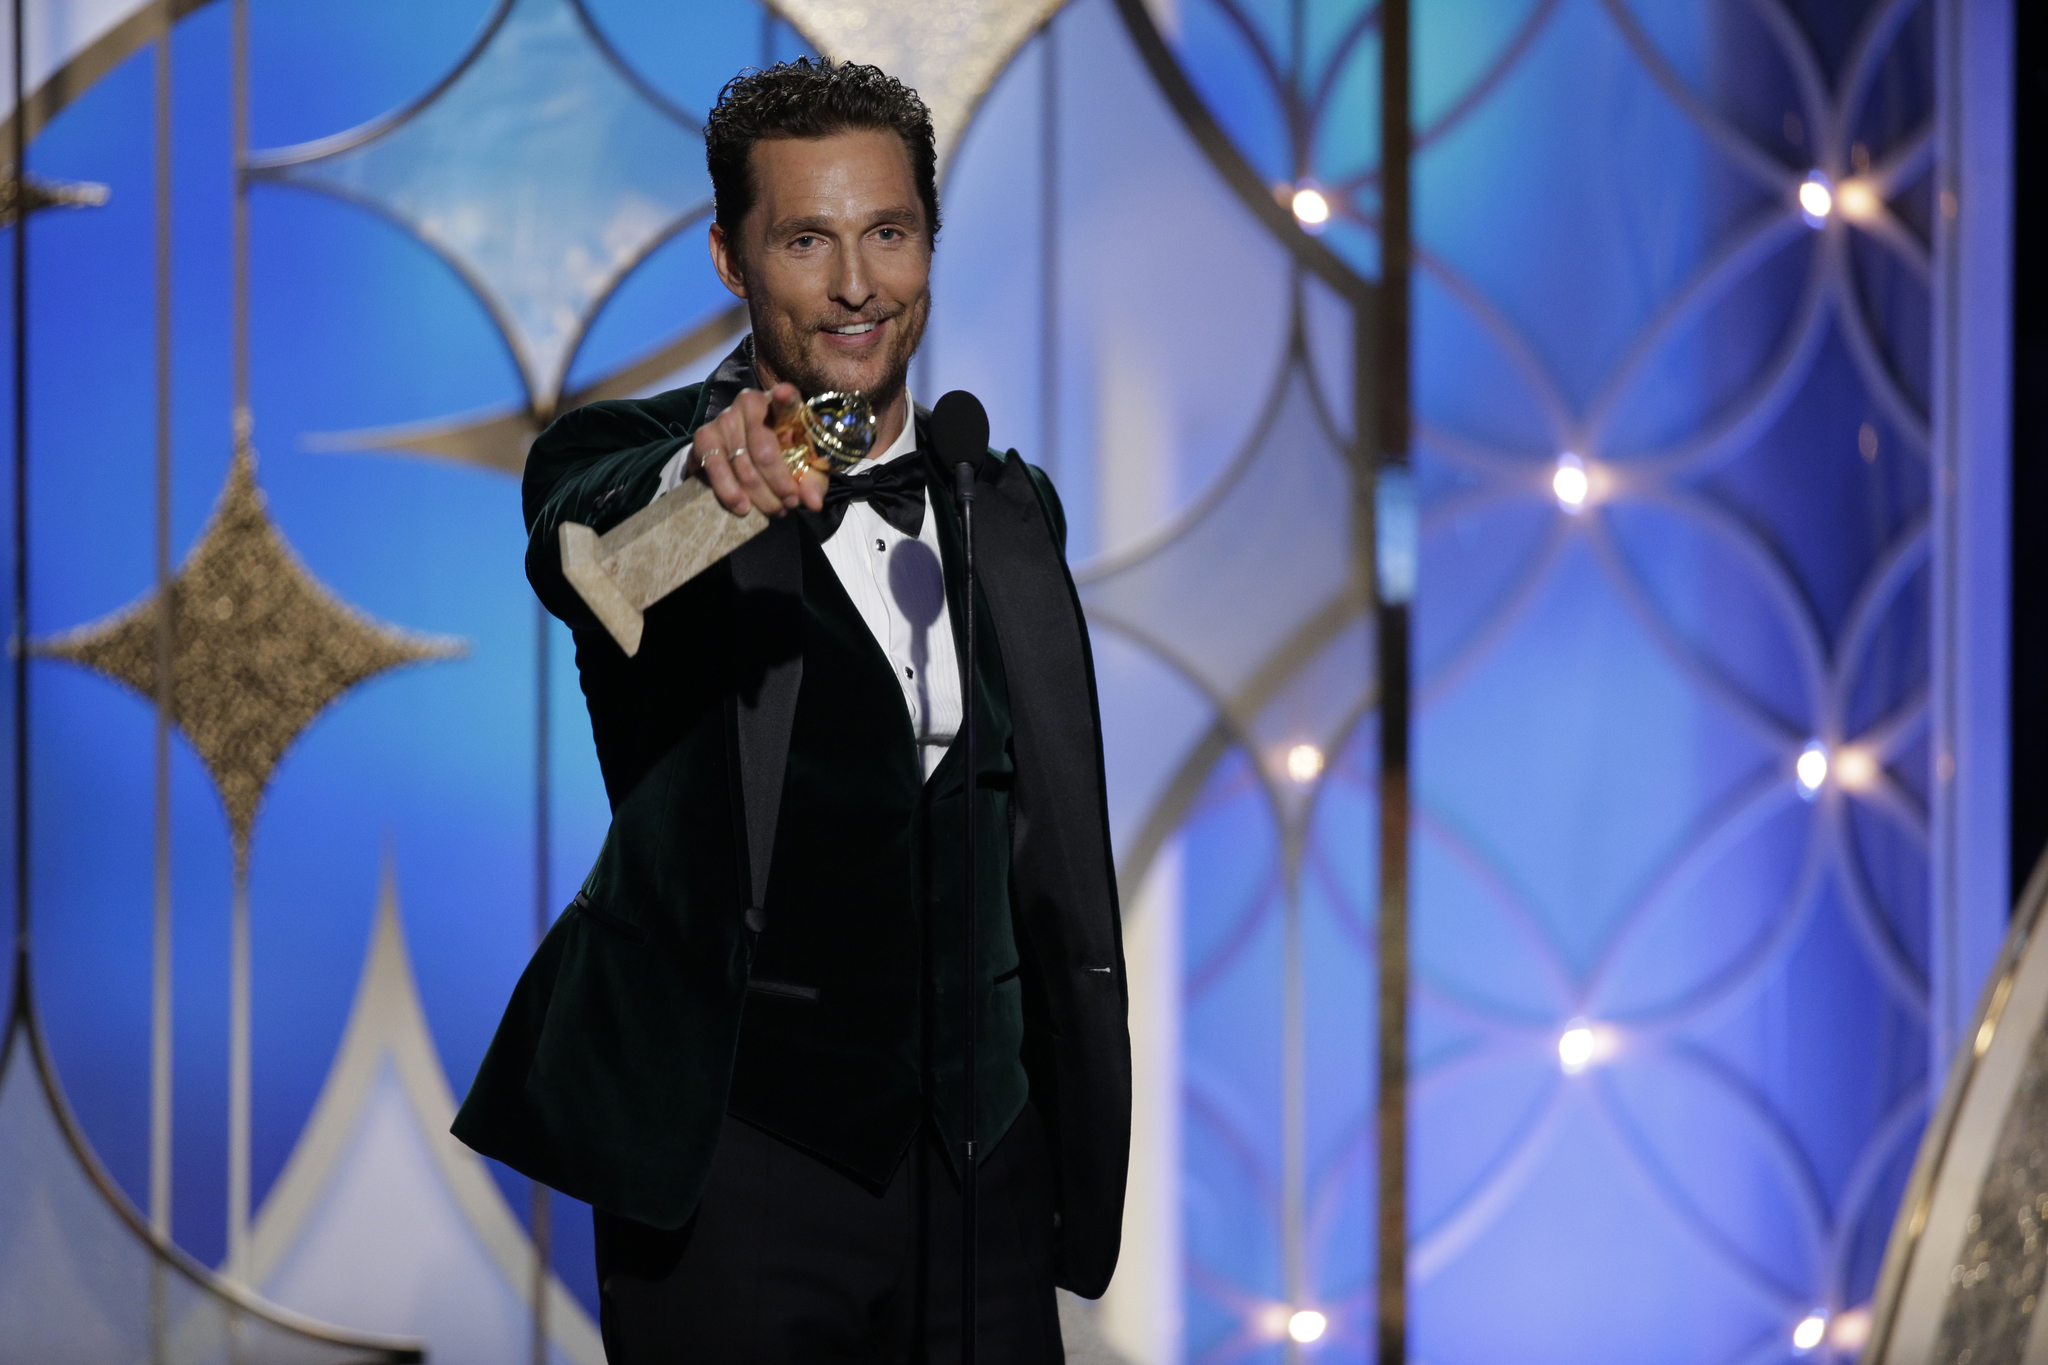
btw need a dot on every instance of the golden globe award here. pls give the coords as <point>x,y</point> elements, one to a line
<point>685,531</point>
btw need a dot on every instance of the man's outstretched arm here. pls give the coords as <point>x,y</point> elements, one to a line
<point>595,466</point>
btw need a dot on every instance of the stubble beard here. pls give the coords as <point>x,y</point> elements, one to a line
<point>779,344</point>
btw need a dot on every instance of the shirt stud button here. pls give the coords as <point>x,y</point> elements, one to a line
<point>879,547</point>
<point>909,672</point>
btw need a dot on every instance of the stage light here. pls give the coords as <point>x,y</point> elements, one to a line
<point>1397,535</point>
<point>1855,767</point>
<point>1850,1330</point>
<point>1307,1325</point>
<point>1811,768</point>
<point>1809,1332</point>
<point>1304,763</point>
<point>1311,209</point>
<point>1570,482</point>
<point>1582,1045</point>
<point>1816,199</point>
<point>1856,198</point>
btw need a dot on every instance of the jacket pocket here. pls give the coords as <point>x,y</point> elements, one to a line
<point>618,924</point>
<point>786,990</point>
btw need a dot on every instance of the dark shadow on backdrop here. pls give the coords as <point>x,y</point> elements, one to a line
<point>2030,443</point>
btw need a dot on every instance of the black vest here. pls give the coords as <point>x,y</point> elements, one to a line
<point>851,1031</point>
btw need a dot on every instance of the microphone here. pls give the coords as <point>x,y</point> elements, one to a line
<point>959,428</point>
<point>959,431</point>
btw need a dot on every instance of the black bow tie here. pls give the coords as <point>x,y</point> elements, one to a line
<point>895,491</point>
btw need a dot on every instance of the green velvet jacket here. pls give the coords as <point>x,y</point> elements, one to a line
<point>610,1073</point>
<point>851,1038</point>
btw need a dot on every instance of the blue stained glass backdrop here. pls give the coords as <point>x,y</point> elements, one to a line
<point>1615,274</point>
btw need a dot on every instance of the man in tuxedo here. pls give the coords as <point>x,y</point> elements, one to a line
<point>742,1041</point>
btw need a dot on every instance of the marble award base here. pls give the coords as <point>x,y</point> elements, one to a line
<point>650,554</point>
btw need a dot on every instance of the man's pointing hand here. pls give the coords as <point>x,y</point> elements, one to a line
<point>739,455</point>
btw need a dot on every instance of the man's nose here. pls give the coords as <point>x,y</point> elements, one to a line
<point>851,285</point>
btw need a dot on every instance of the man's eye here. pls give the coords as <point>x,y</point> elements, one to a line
<point>889,234</point>
<point>805,242</point>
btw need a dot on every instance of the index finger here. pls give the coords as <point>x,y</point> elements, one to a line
<point>809,491</point>
<point>764,449</point>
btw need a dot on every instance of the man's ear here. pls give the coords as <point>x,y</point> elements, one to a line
<point>726,261</point>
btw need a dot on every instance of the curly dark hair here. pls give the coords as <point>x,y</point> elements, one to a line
<point>812,98</point>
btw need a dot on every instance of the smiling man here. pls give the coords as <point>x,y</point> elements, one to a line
<point>741,1041</point>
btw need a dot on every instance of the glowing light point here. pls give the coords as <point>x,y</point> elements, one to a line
<point>1311,209</point>
<point>1307,1325</point>
<point>1856,199</point>
<point>1816,199</point>
<point>1811,768</point>
<point>1578,1047</point>
<point>1986,1031</point>
<point>1571,483</point>
<point>1304,763</point>
<point>1855,768</point>
<point>1809,1332</point>
<point>1850,1330</point>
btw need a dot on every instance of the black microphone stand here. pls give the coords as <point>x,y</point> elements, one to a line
<point>963,490</point>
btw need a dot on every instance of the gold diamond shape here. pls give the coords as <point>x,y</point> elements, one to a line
<point>949,51</point>
<point>258,647</point>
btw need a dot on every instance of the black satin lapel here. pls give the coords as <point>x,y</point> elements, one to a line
<point>1063,880</point>
<point>768,576</point>
<point>1044,639</point>
<point>768,582</point>
<point>734,373</point>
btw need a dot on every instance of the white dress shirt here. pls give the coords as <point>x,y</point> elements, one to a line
<point>897,586</point>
